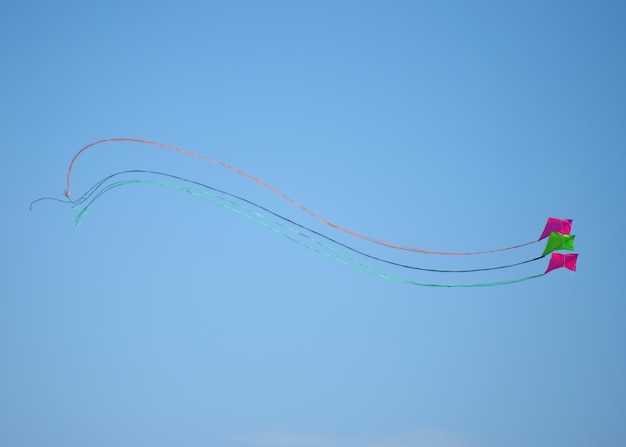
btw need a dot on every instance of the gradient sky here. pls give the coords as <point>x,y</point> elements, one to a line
<point>164,320</point>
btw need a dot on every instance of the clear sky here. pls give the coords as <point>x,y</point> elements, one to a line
<point>165,320</point>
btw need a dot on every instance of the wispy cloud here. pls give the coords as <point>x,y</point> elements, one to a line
<point>414,438</point>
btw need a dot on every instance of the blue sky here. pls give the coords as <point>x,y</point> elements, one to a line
<point>165,320</point>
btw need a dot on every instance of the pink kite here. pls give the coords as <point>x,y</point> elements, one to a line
<point>563,226</point>
<point>558,260</point>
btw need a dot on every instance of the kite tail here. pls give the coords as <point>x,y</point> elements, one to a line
<point>68,192</point>
<point>295,235</point>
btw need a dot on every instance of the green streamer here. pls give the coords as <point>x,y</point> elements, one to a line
<point>283,230</point>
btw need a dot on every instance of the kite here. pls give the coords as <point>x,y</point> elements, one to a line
<point>559,241</point>
<point>558,260</point>
<point>563,226</point>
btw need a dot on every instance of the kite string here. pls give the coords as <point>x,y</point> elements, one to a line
<point>281,194</point>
